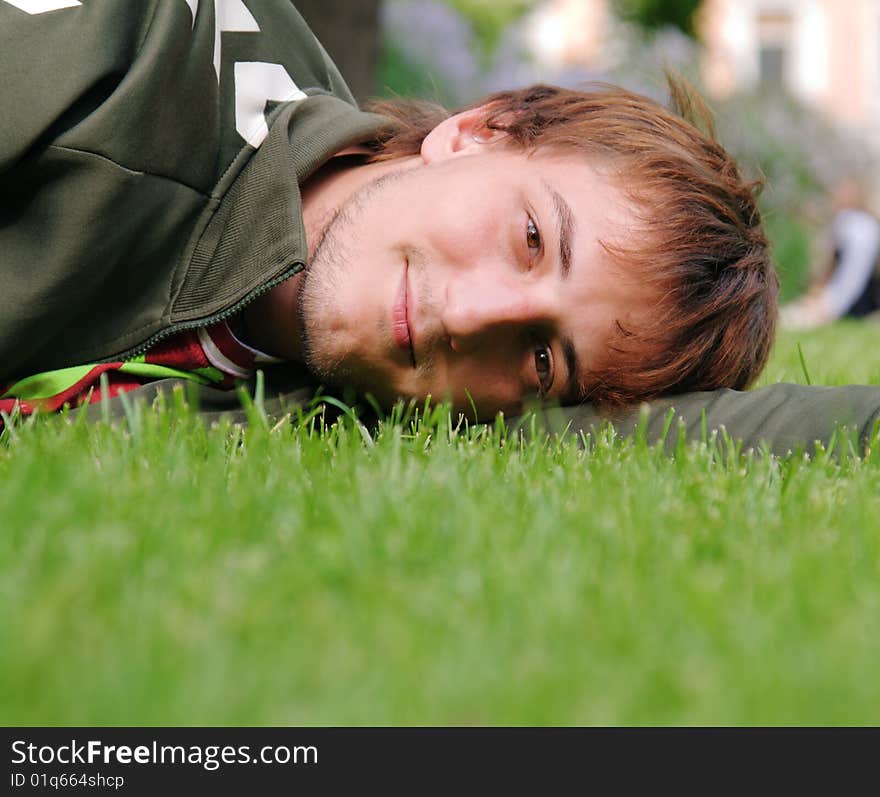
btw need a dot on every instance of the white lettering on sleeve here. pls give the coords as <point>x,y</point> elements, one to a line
<point>43,6</point>
<point>255,83</point>
<point>230,15</point>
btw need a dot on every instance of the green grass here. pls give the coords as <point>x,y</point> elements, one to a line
<point>168,574</point>
<point>791,252</point>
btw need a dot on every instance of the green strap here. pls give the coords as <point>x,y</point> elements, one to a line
<point>47,384</point>
<point>51,383</point>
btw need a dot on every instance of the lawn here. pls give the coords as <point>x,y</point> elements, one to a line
<point>170,574</point>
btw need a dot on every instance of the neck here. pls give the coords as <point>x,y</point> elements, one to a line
<point>271,320</point>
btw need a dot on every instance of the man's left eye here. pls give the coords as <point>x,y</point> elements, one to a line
<point>533,236</point>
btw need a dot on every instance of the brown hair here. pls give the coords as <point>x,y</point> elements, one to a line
<point>703,255</point>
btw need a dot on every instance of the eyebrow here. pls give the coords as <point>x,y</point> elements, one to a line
<point>564,228</point>
<point>565,236</point>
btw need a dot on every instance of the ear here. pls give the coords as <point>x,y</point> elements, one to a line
<point>464,133</point>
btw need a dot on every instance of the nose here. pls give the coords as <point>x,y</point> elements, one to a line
<point>482,308</point>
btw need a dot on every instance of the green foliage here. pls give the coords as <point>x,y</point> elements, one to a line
<point>399,76</point>
<point>790,239</point>
<point>489,18</point>
<point>162,572</point>
<point>655,14</point>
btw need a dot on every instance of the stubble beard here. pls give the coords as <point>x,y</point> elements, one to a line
<point>322,282</point>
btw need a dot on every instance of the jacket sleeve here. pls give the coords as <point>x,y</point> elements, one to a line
<point>782,418</point>
<point>137,81</point>
<point>74,212</point>
<point>120,117</point>
<point>59,60</point>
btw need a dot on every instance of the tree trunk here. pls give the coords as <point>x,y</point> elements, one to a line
<point>349,31</point>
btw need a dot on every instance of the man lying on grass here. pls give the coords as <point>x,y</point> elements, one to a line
<point>190,192</point>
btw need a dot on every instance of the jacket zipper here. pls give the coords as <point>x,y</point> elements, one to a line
<point>209,320</point>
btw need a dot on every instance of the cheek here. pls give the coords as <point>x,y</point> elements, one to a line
<point>492,383</point>
<point>463,222</point>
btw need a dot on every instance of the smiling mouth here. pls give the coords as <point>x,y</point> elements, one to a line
<point>400,327</point>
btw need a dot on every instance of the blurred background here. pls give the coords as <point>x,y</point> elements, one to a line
<point>795,84</point>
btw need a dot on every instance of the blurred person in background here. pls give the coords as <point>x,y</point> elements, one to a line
<point>848,284</point>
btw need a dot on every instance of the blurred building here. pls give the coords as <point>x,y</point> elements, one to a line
<point>825,52</point>
<point>571,32</point>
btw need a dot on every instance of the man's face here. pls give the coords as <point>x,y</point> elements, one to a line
<point>478,277</point>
